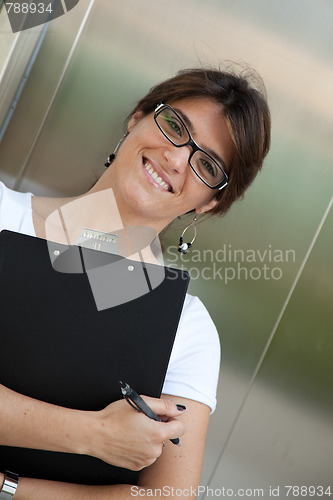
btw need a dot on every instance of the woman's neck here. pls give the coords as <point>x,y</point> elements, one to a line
<point>65,220</point>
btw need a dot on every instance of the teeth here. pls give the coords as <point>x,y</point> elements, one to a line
<point>156,177</point>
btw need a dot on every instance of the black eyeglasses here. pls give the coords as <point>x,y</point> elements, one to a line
<point>174,129</point>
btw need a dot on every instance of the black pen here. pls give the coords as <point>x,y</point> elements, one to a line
<point>139,404</point>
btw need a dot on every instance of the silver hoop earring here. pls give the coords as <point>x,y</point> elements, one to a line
<point>112,156</point>
<point>183,247</point>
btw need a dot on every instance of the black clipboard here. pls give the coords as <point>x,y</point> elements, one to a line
<point>56,345</point>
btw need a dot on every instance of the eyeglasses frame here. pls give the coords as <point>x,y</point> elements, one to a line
<point>191,142</point>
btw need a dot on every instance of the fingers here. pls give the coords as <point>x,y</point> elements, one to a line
<point>164,407</point>
<point>171,427</point>
<point>127,438</point>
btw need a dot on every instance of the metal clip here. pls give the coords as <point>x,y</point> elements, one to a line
<point>98,240</point>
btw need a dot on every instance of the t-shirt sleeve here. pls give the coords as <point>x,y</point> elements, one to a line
<point>2,197</point>
<point>15,211</point>
<point>194,363</point>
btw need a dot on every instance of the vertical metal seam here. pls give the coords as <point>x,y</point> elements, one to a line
<point>63,5</point>
<point>61,78</point>
<point>270,338</point>
<point>23,81</point>
<point>13,47</point>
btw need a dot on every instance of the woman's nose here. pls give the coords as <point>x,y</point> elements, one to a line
<point>178,158</point>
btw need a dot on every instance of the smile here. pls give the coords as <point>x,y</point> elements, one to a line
<point>156,178</point>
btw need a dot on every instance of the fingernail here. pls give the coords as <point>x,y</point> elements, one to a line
<point>181,407</point>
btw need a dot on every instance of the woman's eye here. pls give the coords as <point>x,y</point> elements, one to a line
<point>173,125</point>
<point>209,167</point>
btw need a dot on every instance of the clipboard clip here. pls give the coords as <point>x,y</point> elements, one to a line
<point>98,240</point>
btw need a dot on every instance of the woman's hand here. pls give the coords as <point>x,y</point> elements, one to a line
<point>119,435</point>
<point>124,437</point>
<point>177,469</point>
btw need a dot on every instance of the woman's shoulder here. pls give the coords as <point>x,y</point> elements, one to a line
<point>196,330</point>
<point>195,313</point>
<point>195,358</point>
<point>8,195</point>
<point>3,190</point>
<point>15,210</point>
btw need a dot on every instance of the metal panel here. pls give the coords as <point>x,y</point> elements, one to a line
<point>283,436</point>
<point>92,68</point>
<point>17,54</point>
<point>40,90</point>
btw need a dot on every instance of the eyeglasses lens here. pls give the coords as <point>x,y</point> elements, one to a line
<point>206,168</point>
<point>172,127</point>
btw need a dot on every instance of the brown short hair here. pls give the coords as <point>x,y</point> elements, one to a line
<point>242,97</point>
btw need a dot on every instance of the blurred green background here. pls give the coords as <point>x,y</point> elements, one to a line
<point>273,424</point>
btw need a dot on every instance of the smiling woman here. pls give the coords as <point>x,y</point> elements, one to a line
<point>194,143</point>
<point>240,101</point>
<point>151,176</point>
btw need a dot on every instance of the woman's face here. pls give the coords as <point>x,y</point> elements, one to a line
<point>176,189</point>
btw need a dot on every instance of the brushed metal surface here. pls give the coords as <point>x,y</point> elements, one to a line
<point>283,434</point>
<point>94,64</point>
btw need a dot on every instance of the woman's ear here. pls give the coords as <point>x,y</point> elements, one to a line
<point>133,120</point>
<point>205,208</point>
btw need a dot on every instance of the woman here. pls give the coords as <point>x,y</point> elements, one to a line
<point>158,174</point>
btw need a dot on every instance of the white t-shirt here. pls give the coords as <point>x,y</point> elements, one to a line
<point>195,358</point>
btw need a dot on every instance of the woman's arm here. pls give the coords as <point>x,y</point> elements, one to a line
<point>178,468</point>
<point>36,489</point>
<point>118,435</point>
